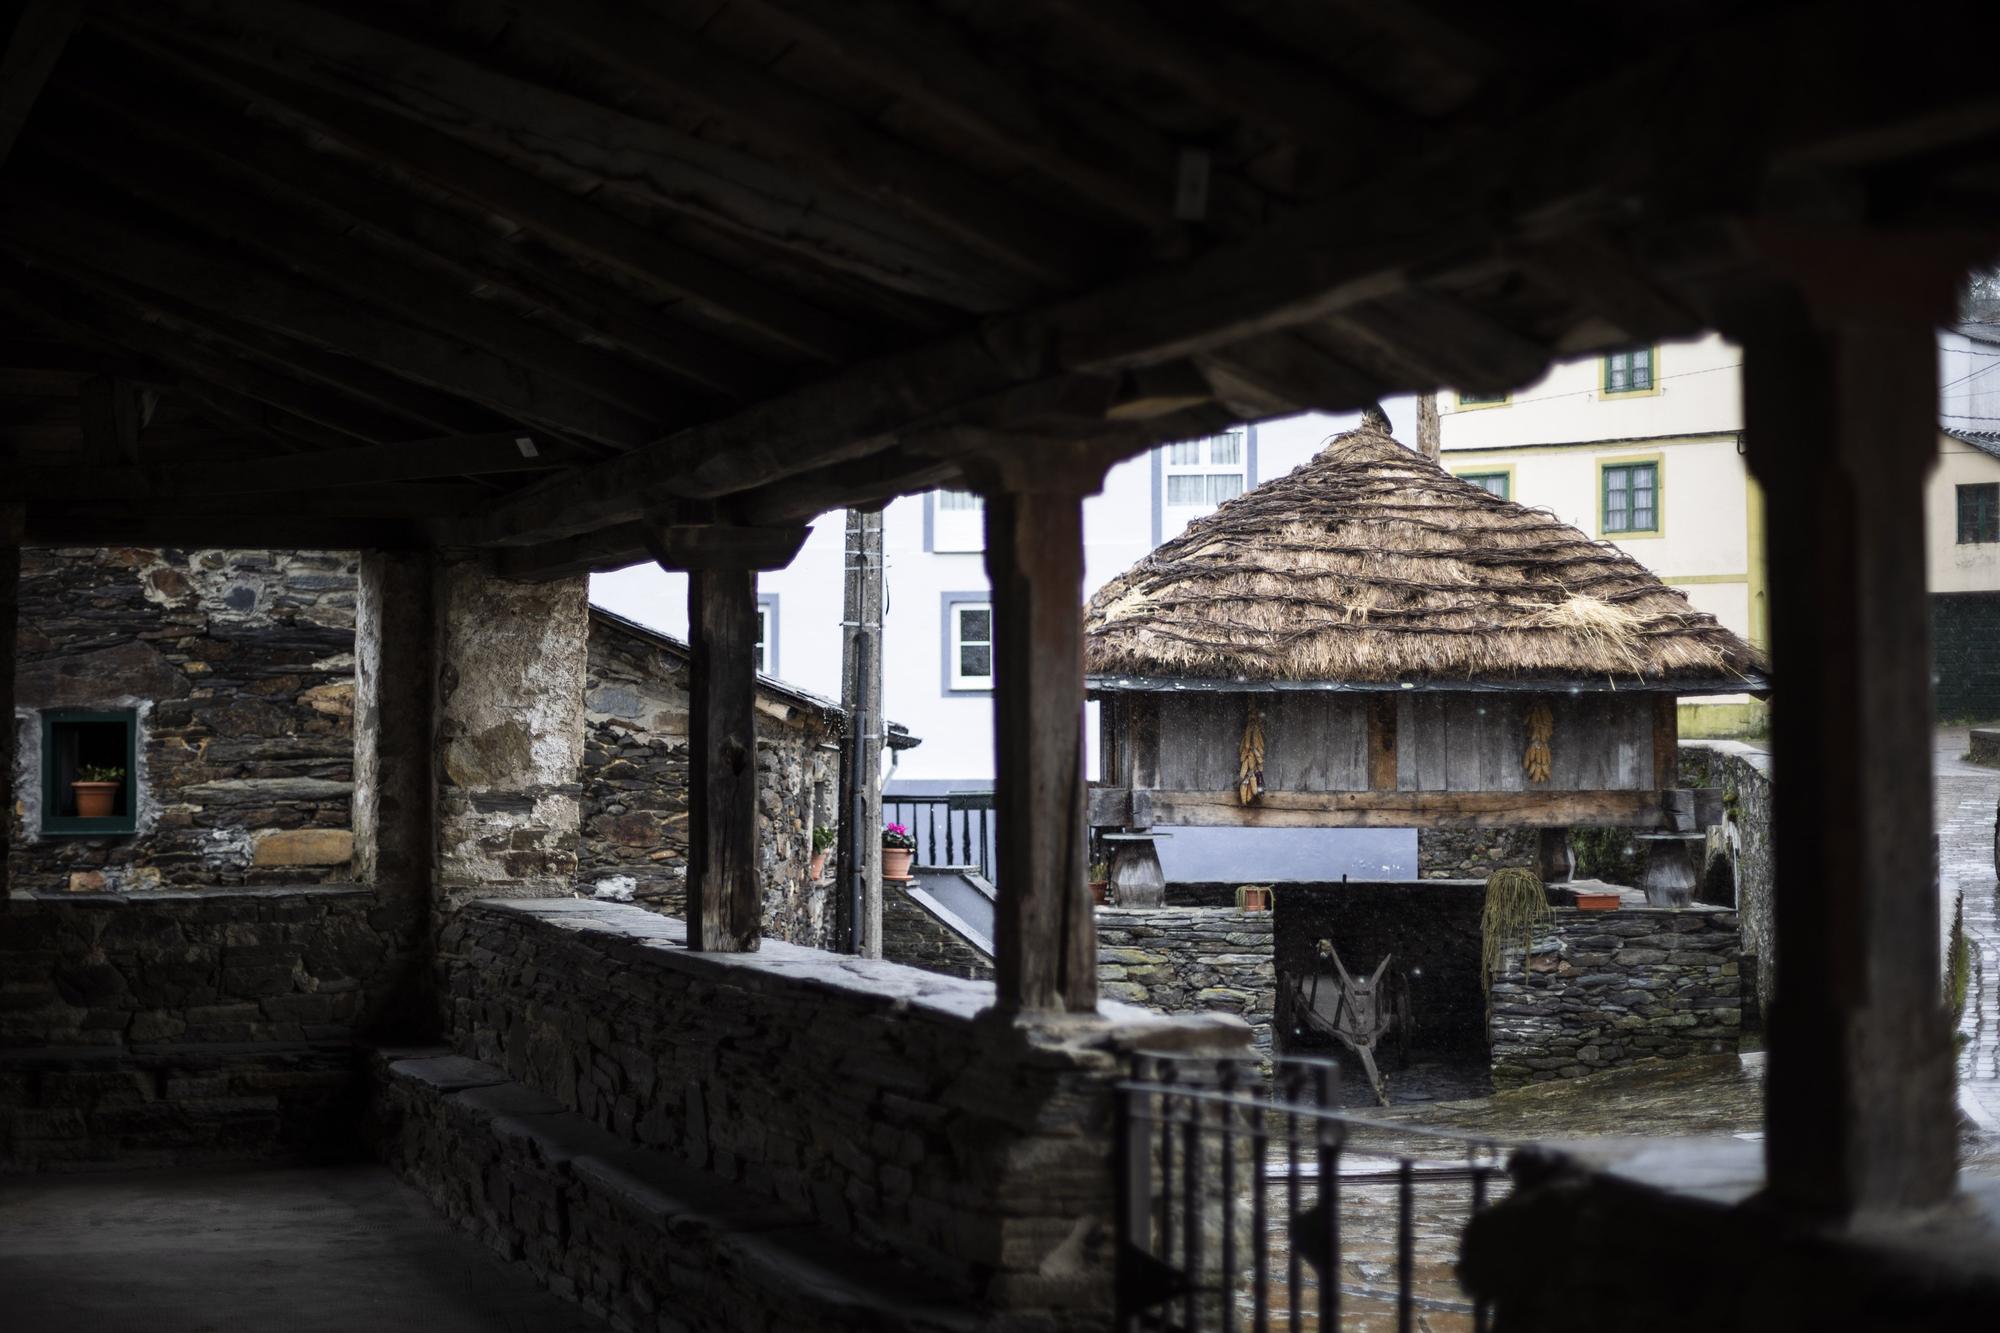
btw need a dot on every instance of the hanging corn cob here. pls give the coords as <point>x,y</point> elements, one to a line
<point>1250,757</point>
<point>1541,726</point>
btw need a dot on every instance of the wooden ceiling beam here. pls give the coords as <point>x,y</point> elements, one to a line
<point>48,526</point>
<point>132,250</point>
<point>822,138</point>
<point>40,32</point>
<point>319,64</point>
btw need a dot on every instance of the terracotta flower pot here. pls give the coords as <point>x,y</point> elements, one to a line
<point>818,868</point>
<point>95,799</point>
<point>1100,891</point>
<point>1597,902</point>
<point>896,862</point>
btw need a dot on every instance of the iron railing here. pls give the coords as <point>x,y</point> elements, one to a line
<point>1252,1203</point>
<point>952,830</point>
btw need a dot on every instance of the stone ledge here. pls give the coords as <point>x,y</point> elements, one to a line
<point>631,1234</point>
<point>214,893</point>
<point>779,968</point>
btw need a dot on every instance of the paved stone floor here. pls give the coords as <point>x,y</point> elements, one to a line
<point>1966,798</point>
<point>324,1250</point>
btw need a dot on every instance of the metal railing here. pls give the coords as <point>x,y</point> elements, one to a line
<point>1253,1204</point>
<point>951,830</point>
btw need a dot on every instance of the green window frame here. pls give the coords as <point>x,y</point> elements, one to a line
<point>56,748</point>
<point>1629,372</point>
<point>1979,513</point>
<point>1493,483</point>
<point>1483,399</point>
<point>1629,495</point>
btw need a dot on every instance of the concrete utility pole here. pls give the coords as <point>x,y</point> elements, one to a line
<point>1430,437</point>
<point>860,897</point>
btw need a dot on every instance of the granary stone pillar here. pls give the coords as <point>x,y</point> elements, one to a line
<point>395,684</point>
<point>724,901</point>
<point>511,659</point>
<point>1841,404</point>
<point>1044,930</point>
<point>12,520</point>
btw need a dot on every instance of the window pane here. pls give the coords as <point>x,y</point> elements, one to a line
<point>1226,450</point>
<point>975,624</point>
<point>1185,454</point>
<point>1494,483</point>
<point>1979,513</point>
<point>1188,489</point>
<point>958,500</point>
<point>1224,486</point>
<point>975,660</point>
<point>1642,369</point>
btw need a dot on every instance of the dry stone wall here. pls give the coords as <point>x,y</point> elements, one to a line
<point>171,1026</point>
<point>1604,989</point>
<point>1191,960</point>
<point>239,668</point>
<point>886,1103</point>
<point>635,777</point>
<point>1743,843</point>
<point>1460,853</point>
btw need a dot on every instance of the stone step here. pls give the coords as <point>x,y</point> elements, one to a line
<point>630,1234</point>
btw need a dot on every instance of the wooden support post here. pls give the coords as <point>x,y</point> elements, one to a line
<point>1045,936</point>
<point>12,522</point>
<point>722,905</point>
<point>1841,414</point>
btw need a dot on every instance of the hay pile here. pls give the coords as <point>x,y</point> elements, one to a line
<point>1371,564</point>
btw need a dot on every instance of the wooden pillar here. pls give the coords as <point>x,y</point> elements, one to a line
<point>722,903</point>
<point>1044,934</point>
<point>1841,424</point>
<point>11,525</point>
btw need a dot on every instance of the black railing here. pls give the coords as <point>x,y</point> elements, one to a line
<point>1253,1204</point>
<point>952,830</point>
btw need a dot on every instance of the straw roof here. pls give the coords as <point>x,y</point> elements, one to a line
<point>1372,565</point>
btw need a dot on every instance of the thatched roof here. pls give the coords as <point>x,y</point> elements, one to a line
<point>1371,565</point>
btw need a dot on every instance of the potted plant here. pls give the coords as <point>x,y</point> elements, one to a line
<point>1100,882</point>
<point>822,844</point>
<point>898,850</point>
<point>96,789</point>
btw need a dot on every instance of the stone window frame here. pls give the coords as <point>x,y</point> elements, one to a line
<point>51,825</point>
<point>952,679</point>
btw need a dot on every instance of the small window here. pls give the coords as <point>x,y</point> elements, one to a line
<point>1494,483</point>
<point>1629,372</point>
<point>969,645</point>
<point>1979,513</point>
<point>956,521</point>
<point>767,633</point>
<point>1482,399</point>
<point>1631,497</point>
<point>100,752</point>
<point>1198,475</point>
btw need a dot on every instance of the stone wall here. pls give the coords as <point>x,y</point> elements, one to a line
<point>1604,989</point>
<point>1430,931</point>
<point>174,1026</point>
<point>1474,853</point>
<point>239,666</point>
<point>885,1102</point>
<point>1191,960</point>
<point>635,776</point>
<point>913,936</point>
<point>1743,773</point>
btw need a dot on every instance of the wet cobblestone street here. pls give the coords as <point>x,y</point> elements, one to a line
<point>1966,797</point>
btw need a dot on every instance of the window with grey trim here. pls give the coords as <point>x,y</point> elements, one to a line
<point>1198,475</point>
<point>968,645</point>
<point>767,633</point>
<point>956,521</point>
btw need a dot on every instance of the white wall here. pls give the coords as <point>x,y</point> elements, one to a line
<point>1699,388</point>
<point>1969,381</point>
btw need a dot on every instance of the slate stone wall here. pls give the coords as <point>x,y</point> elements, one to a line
<point>880,1100</point>
<point>911,935</point>
<point>239,665</point>
<point>1741,849</point>
<point>1474,853</point>
<point>1965,655</point>
<point>1604,989</point>
<point>1191,960</point>
<point>1428,928</point>
<point>170,1026</point>
<point>635,776</point>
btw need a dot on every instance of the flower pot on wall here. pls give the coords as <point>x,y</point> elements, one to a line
<point>818,869</point>
<point>896,862</point>
<point>95,800</point>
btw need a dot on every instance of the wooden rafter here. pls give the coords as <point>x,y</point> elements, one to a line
<point>28,53</point>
